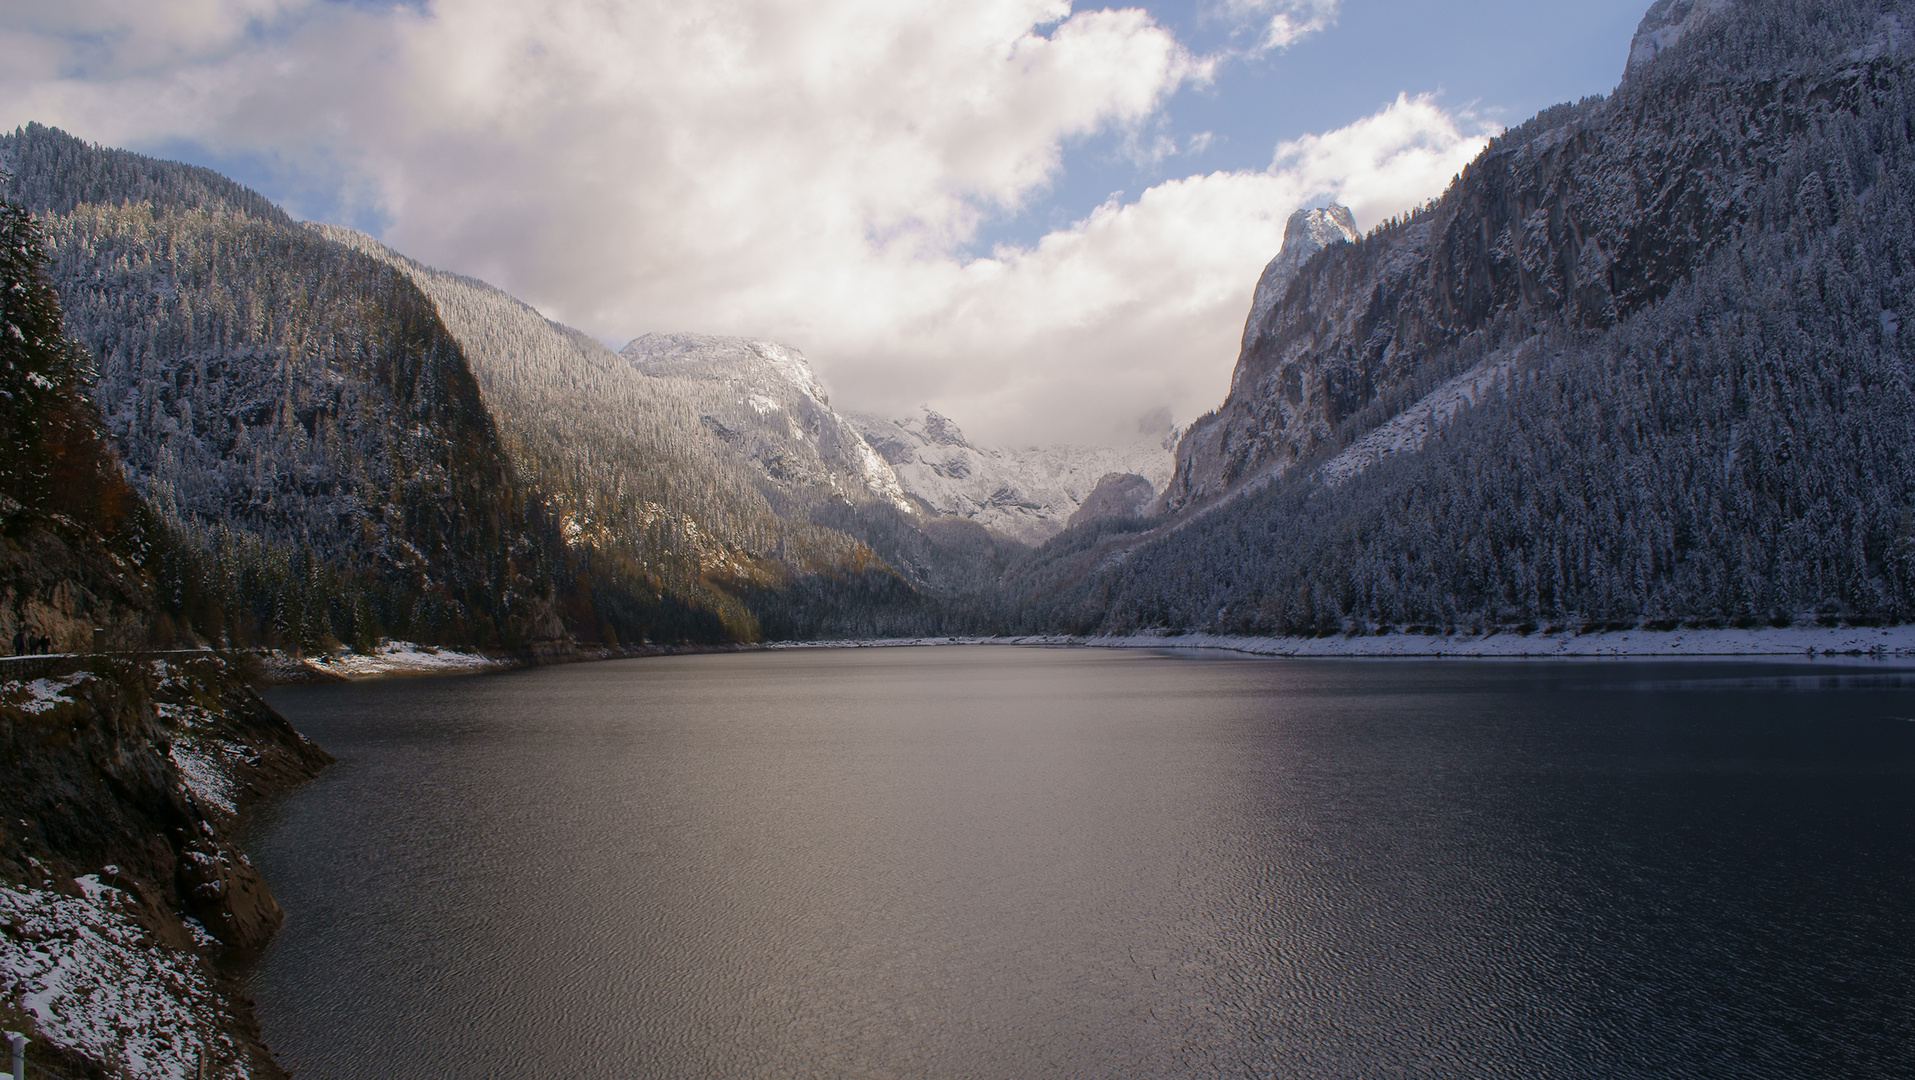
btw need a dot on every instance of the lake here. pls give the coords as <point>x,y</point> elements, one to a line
<point>996,862</point>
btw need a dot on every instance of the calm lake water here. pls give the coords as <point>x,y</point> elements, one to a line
<point>976,862</point>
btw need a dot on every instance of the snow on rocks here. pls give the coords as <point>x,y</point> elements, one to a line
<point>1665,23</point>
<point>764,403</point>
<point>1308,231</point>
<point>40,695</point>
<point>402,658</point>
<point>94,981</point>
<point>203,769</point>
<point>1027,493</point>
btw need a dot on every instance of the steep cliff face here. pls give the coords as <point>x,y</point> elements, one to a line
<point>1308,231</point>
<point>1577,219</point>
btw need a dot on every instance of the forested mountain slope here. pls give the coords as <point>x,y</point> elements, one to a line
<point>1642,362</point>
<point>651,493</point>
<point>69,525</point>
<point>293,404</point>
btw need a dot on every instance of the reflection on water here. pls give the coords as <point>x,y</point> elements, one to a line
<point>1010,863</point>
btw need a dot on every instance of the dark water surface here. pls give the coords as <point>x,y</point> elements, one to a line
<point>1018,863</point>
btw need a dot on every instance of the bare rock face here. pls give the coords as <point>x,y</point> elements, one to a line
<point>59,593</point>
<point>1308,231</point>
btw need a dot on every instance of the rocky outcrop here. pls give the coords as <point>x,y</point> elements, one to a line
<point>110,766</point>
<point>63,595</point>
<point>1664,24</point>
<point>1308,231</point>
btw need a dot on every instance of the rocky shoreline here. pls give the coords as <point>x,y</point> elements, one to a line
<point>122,895</point>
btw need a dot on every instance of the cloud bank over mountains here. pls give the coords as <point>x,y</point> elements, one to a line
<point>813,172</point>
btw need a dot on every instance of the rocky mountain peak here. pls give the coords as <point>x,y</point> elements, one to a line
<point>942,430</point>
<point>1665,23</point>
<point>1308,231</point>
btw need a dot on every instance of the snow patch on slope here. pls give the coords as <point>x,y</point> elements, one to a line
<point>203,769</point>
<point>403,658</point>
<point>40,695</point>
<point>1407,431</point>
<point>93,980</point>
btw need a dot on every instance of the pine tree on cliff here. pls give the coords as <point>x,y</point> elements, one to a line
<point>52,459</point>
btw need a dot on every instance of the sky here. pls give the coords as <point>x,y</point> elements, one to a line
<point>1044,220</point>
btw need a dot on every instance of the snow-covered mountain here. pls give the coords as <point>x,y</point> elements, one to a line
<point>762,401</point>
<point>1028,492</point>
<point>1640,365</point>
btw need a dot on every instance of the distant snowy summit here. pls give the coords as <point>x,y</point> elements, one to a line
<point>763,400</point>
<point>1308,231</point>
<point>1030,493</point>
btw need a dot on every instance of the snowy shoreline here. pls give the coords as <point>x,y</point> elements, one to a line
<point>389,658</point>
<point>396,658</point>
<point>1886,641</point>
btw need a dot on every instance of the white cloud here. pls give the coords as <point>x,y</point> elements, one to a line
<point>1282,23</point>
<point>116,38</point>
<point>805,170</point>
<point>1140,305</point>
